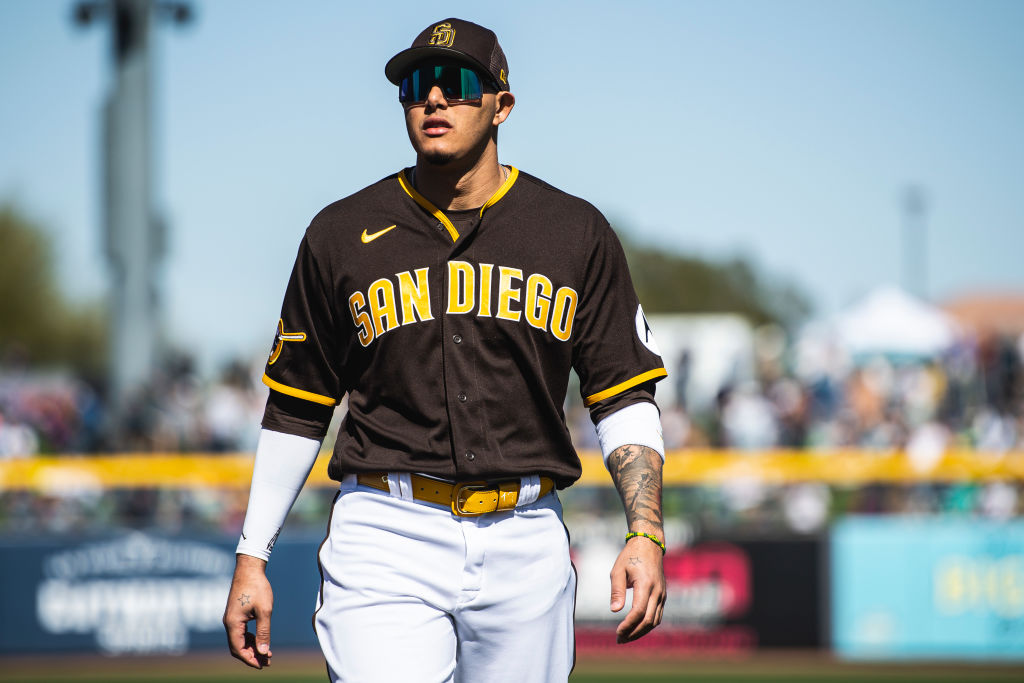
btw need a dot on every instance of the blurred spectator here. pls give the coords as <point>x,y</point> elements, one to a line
<point>749,419</point>
<point>16,439</point>
<point>676,427</point>
<point>233,410</point>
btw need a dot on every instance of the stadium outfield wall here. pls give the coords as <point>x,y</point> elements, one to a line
<point>880,587</point>
<point>690,467</point>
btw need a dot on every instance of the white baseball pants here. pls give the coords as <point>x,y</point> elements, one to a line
<point>413,594</point>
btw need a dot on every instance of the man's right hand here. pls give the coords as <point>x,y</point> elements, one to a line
<point>250,598</point>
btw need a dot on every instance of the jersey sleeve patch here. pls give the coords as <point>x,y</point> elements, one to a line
<point>298,393</point>
<point>644,331</point>
<point>281,338</point>
<point>623,386</point>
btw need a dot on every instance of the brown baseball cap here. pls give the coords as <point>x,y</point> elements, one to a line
<point>454,39</point>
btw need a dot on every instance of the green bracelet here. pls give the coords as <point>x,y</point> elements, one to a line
<point>654,538</point>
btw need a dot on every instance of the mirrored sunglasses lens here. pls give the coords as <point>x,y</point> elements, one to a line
<point>449,82</point>
<point>472,89</point>
<point>409,90</point>
<point>456,83</point>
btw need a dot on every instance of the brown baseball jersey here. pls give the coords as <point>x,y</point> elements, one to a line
<point>454,334</point>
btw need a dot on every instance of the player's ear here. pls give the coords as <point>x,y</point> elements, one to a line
<point>503,103</point>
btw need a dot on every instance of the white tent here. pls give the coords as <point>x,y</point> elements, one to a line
<point>891,322</point>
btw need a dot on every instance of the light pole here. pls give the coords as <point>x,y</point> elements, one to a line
<point>134,236</point>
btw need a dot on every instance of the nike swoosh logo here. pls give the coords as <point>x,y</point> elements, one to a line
<point>369,237</point>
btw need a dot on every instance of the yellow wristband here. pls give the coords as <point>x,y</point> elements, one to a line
<point>654,538</point>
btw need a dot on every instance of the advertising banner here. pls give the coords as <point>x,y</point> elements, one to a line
<point>936,588</point>
<point>137,593</point>
<point>143,593</point>
<point>723,596</point>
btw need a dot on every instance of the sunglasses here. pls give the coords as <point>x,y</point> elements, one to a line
<point>459,84</point>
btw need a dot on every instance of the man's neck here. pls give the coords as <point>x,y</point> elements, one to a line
<point>452,188</point>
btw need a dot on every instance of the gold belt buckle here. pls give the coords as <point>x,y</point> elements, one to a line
<point>502,496</point>
<point>461,493</point>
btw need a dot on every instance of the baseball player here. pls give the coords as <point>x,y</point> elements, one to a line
<point>450,301</point>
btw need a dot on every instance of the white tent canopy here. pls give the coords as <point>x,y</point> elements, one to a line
<point>891,322</point>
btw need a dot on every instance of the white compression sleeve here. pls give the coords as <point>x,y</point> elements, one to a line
<point>638,424</point>
<point>283,462</point>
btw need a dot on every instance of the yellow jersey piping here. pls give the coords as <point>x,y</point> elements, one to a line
<point>439,215</point>
<point>505,187</point>
<point>425,203</point>
<point>298,393</point>
<point>622,386</point>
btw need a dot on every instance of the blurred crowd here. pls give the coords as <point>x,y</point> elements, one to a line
<point>809,396</point>
<point>60,413</point>
<point>797,396</point>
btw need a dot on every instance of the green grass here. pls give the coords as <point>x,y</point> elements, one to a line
<point>623,677</point>
<point>793,667</point>
<point>752,678</point>
<point>861,677</point>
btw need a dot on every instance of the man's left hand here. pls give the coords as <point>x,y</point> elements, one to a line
<point>639,566</point>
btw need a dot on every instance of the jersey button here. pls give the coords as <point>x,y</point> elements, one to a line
<point>457,338</point>
<point>470,455</point>
<point>462,397</point>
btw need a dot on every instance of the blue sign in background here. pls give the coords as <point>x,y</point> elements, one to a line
<point>934,588</point>
<point>136,592</point>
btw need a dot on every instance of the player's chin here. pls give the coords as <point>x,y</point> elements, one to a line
<point>438,157</point>
<point>435,152</point>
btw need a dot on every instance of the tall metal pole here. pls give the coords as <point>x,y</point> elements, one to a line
<point>134,243</point>
<point>133,248</point>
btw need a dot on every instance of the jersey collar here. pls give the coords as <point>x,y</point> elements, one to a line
<point>439,215</point>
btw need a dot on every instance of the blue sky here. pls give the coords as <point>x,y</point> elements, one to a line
<point>780,131</point>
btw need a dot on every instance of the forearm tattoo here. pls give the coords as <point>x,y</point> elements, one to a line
<point>636,471</point>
